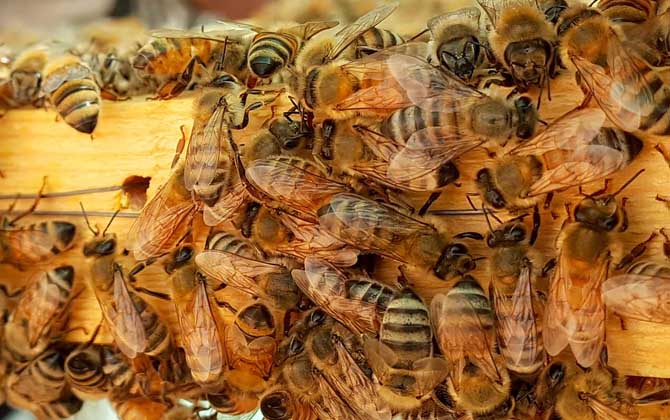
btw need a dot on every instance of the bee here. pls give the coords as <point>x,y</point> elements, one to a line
<point>122,379</point>
<point>251,345</point>
<point>652,39</point>
<point>552,379</point>
<point>438,118</point>
<point>164,220</point>
<point>279,405</point>
<point>380,229</point>
<point>70,86</point>
<point>39,313</point>
<point>357,302</point>
<point>517,321</point>
<point>575,312</point>
<point>459,44</point>
<point>230,400</point>
<point>65,407</point>
<point>524,42</point>
<point>282,137</point>
<point>135,326</point>
<point>639,293</point>
<point>42,380</point>
<point>236,263</point>
<point>632,94</point>
<point>23,85</point>
<point>281,234</point>
<point>577,148</point>
<point>644,390</point>
<point>324,60</point>
<point>208,172</point>
<point>589,395</point>
<point>402,357</point>
<point>84,371</point>
<point>464,328</point>
<point>28,245</point>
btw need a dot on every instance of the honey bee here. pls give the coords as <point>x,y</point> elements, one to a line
<point>640,293</point>
<point>251,345</point>
<point>552,379</point>
<point>165,219</point>
<point>42,380</point>
<point>324,60</point>
<point>459,44</point>
<point>84,371</point>
<point>357,302</point>
<point>464,328</point>
<point>632,94</point>
<point>135,326</point>
<point>282,137</point>
<point>28,245</point>
<point>590,395</point>
<point>23,85</point>
<point>39,313</point>
<point>524,42</point>
<point>575,312</point>
<point>380,229</point>
<point>236,263</point>
<point>511,289</point>
<point>72,90</point>
<point>278,233</point>
<point>208,172</point>
<point>402,357</point>
<point>652,39</point>
<point>576,149</point>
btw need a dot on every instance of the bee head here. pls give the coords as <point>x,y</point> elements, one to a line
<point>276,405</point>
<point>527,117</point>
<point>507,234</point>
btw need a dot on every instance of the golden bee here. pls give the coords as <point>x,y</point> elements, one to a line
<point>640,293</point>
<point>575,311</point>
<point>24,246</point>
<point>465,332</point>
<point>22,86</point>
<point>84,372</point>
<point>577,148</point>
<point>165,219</point>
<point>632,94</point>
<point>381,229</point>
<point>356,301</point>
<point>208,170</point>
<point>458,44</point>
<point>516,309</point>
<point>40,313</point>
<point>524,42</point>
<point>70,86</point>
<point>402,357</point>
<point>134,324</point>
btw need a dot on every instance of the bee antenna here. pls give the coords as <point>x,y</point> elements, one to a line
<point>592,3</point>
<point>543,122</point>
<point>627,183</point>
<point>486,216</point>
<point>88,222</point>
<point>110,221</point>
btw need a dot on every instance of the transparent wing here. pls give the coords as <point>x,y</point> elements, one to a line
<point>70,72</point>
<point>204,151</point>
<point>638,296</point>
<point>234,270</point>
<point>224,35</point>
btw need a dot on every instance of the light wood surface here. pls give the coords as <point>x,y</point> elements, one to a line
<point>138,137</point>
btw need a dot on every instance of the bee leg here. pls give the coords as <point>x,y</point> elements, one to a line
<point>138,268</point>
<point>33,206</point>
<point>587,99</point>
<point>663,198</point>
<point>549,266</point>
<point>245,119</point>
<point>666,243</point>
<point>159,295</point>
<point>635,253</point>
<point>622,322</point>
<point>224,304</point>
<point>547,200</point>
<point>624,223</point>
<point>431,199</point>
<point>180,146</point>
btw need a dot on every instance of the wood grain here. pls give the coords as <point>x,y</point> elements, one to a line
<point>138,137</point>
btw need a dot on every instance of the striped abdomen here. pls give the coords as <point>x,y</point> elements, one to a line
<point>370,292</point>
<point>378,39</point>
<point>224,241</point>
<point>65,407</point>
<point>170,56</point>
<point>157,333</point>
<point>466,296</point>
<point>270,52</point>
<point>43,380</point>
<point>651,269</point>
<point>406,328</point>
<point>615,138</point>
<point>117,370</point>
<point>656,114</point>
<point>85,375</point>
<point>401,124</point>
<point>627,11</point>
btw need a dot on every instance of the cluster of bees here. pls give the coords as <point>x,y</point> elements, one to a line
<point>316,198</point>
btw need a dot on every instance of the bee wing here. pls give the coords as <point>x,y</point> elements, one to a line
<point>71,72</point>
<point>231,198</point>
<point>160,225</point>
<point>200,336</point>
<point>605,412</point>
<point>325,285</point>
<point>235,344</point>
<point>380,357</point>
<point>516,322</point>
<point>383,147</point>
<point>224,35</point>
<point>122,318</point>
<point>40,294</point>
<point>428,149</point>
<point>638,296</point>
<point>311,29</point>
<point>347,35</point>
<point>471,14</point>
<point>462,334</point>
<point>292,185</point>
<point>571,130</point>
<point>204,151</point>
<point>234,270</point>
<point>490,8</point>
<point>583,165</point>
<point>27,246</point>
<point>575,313</point>
<point>428,373</point>
<point>331,405</point>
